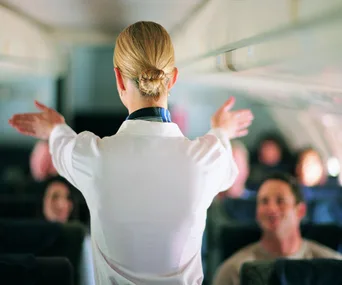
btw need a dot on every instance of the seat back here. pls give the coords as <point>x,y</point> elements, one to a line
<point>326,234</point>
<point>69,244</point>
<point>287,272</point>
<point>240,210</point>
<point>326,211</point>
<point>26,269</point>
<point>322,192</point>
<point>256,273</point>
<point>235,237</point>
<point>18,207</point>
<point>43,239</point>
<point>27,236</point>
<point>55,271</point>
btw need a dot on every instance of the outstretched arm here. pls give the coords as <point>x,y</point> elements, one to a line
<point>38,125</point>
<point>226,125</point>
<point>50,125</point>
<point>71,153</point>
<point>231,124</point>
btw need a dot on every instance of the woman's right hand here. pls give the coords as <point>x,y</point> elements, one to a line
<point>235,123</point>
<point>39,125</point>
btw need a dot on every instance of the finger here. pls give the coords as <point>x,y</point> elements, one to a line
<point>16,124</point>
<point>244,124</point>
<point>241,133</point>
<point>24,126</point>
<point>244,113</point>
<point>41,106</point>
<point>24,117</point>
<point>242,119</point>
<point>25,130</point>
<point>23,121</point>
<point>227,105</point>
<point>29,131</point>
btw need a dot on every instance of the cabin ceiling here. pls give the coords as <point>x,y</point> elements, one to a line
<point>103,15</point>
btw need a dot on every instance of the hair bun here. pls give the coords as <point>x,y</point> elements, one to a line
<point>151,82</point>
<point>152,75</point>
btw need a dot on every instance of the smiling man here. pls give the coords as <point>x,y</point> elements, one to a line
<point>280,209</point>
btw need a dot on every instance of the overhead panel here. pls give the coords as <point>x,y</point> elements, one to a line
<point>235,36</point>
<point>26,49</point>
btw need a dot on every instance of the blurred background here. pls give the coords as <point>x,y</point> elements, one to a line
<point>280,58</point>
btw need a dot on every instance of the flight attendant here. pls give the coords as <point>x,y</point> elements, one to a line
<point>147,187</point>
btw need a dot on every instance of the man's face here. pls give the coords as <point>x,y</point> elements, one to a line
<point>277,211</point>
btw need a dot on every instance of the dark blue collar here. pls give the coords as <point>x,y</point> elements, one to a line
<point>155,114</point>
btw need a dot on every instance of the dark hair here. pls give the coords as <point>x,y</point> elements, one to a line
<point>290,180</point>
<point>43,189</point>
<point>278,139</point>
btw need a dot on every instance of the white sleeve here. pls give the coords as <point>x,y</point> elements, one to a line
<point>227,169</point>
<point>87,274</point>
<point>222,137</point>
<point>214,153</point>
<point>72,154</point>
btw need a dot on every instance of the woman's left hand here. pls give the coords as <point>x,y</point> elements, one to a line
<point>37,125</point>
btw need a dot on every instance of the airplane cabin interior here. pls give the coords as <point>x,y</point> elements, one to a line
<point>280,59</point>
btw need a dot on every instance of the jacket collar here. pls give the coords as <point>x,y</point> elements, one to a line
<point>156,114</point>
<point>148,128</point>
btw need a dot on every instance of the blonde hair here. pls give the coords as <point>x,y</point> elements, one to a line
<point>144,53</point>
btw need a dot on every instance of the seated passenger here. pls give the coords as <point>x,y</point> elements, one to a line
<point>241,157</point>
<point>310,170</point>
<point>224,210</point>
<point>41,162</point>
<point>58,206</point>
<point>271,154</point>
<point>280,209</point>
<point>57,202</point>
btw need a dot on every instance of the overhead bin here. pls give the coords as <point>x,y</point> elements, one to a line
<point>240,36</point>
<point>26,49</point>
